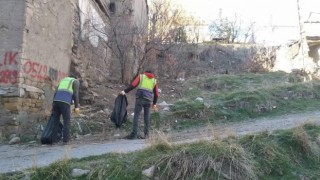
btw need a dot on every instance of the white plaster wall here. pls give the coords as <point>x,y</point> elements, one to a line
<point>92,25</point>
<point>140,20</point>
<point>47,40</point>
<point>312,29</point>
<point>140,13</point>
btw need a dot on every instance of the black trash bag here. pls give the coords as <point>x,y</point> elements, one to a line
<point>52,132</point>
<point>119,113</point>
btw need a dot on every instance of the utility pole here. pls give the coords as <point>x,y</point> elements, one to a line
<point>303,38</point>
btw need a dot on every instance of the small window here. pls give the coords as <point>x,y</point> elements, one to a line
<point>112,7</point>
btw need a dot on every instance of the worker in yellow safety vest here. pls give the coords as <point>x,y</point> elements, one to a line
<point>67,91</point>
<point>147,92</point>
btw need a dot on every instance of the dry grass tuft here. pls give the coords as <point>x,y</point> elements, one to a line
<point>34,163</point>
<point>301,137</point>
<point>230,133</point>
<point>158,137</point>
<point>60,170</point>
<point>215,160</point>
<point>217,135</point>
<point>66,152</point>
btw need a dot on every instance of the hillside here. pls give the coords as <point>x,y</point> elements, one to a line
<point>209,99</point>
<point>219,110</point>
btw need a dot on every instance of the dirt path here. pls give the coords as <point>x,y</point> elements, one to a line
<point>248,127</point>
<point>19,157</point>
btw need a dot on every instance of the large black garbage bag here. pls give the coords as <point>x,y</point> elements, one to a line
<point>52,132</point>
<point>119,113</point>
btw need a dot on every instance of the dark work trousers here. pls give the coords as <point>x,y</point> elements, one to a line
<point>58,109</point>
<point>145,104</point>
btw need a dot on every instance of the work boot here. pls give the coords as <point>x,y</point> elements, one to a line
<point>131,136</point>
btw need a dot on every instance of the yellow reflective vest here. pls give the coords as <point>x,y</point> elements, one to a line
<point>147,83</point>
<point>65,90</point>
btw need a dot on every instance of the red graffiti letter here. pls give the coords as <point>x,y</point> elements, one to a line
<point>34,72</point>
<point>8,76</point>
<point>12,58</point>
<point>27,67</point>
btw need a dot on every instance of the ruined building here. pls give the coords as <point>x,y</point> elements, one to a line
<point>312,26</point>
<point>290,56</point>
<point>41,41</point>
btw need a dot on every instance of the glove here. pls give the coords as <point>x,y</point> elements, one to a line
<point>77,111</point>
<point>122,93</point>
<point>155,108</point>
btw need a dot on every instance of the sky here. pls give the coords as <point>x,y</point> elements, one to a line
<point>280,13</point>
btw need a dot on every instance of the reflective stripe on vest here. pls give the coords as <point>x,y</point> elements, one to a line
<point>147,83</point>
<point>66,85</point>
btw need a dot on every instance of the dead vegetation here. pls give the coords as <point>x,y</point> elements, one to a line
<point>221,161</point>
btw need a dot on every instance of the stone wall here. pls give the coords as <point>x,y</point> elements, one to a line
<point>36,51</point>
<point>11,37</point>
<point>40,39</point>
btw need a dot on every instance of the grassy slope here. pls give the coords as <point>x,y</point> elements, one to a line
<point>230,98</point>
<point>286,154</point>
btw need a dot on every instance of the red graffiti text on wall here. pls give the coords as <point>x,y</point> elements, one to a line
<point>9,74</point>
<point>35,70</point>
<point>9,69</point>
